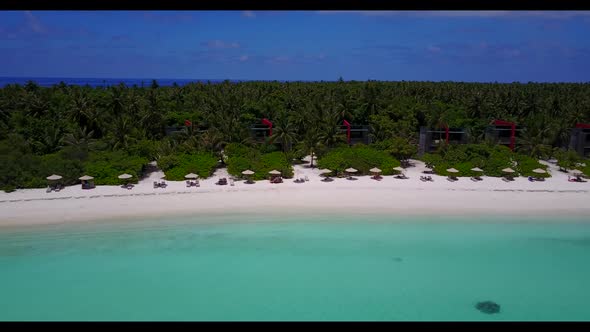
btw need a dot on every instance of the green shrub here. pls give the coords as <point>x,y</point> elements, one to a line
<point>176,167</point>
<point>585,169</point>
<point>241,157</point>
<point>526,165</point>
<point>360,157</point>
<point>106,166</point>
<point>464,157</point>
<point>20,169</point>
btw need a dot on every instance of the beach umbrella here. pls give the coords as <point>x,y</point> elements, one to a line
<point>351,170</point>
<point>399,169</point>
<point>54,177</point>
<point>508,170</point>
<point>125,176</point>
<point>191,176</point>
<point>375,170</point>
<point>539,171</point>
<point>325,171</point>
<point>452,170</point>
<point>577,172</point>
<point>86,178</point>
<point>247,172</point>
<point>477,169</point>
<point>274,172</point>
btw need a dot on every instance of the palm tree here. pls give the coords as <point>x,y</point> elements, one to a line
<point>78,106</point>
<point>50,140</point>
<point>121,135</point>
<point>81,138</point>
<point>285,133</point>
<point>534,142</point>
<point>311,143</point>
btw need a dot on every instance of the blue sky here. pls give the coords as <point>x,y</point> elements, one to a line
<point>479,46</point>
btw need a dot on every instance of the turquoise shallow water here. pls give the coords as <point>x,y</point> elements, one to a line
<point>354,268</point>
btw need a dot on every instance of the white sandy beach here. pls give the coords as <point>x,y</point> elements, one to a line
<point>492,196</point>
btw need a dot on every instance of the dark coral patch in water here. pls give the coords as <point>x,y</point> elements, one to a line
<point>488,307</point>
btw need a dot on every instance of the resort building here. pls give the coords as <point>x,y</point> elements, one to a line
<point>504,133</point>
<point>580,139</point>
<point>175,130</point>
<point>431,139</point>
<point>356,133</point>
<point>261,131</point>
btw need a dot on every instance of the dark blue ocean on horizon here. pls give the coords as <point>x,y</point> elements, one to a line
<point>104,82</point>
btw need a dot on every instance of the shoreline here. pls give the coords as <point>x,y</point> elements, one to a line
<point>293,203</point>
<point>491,197</point>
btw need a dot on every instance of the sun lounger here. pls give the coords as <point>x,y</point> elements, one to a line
<point>156,184</point>
<point>49,189</point>
<point>306,178</point>
<point>231,181</point>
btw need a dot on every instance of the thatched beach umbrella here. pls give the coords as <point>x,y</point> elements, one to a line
<point>399,169</point>
<point>576,172</point>
<point>248,173</point>
<point>125,176</point>
<point>508,170</point>
<point>325,171</point>
<point>452,170</point>
<point>87,182</point>
<point>539,171</point>
<point>351,170</point>
<point>477,169</point>
<point>274,172</point>
<point>375,170</point>
<point>54,177</point>
<point>191,176</point>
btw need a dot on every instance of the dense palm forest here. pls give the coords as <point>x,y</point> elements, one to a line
<point>71,130</point>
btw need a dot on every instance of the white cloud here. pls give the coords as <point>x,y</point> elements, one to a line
<point>465,13</point>
<point>434,49</point>
<point>248,14</point>
<point>33,23</point>
<point>219,44</point>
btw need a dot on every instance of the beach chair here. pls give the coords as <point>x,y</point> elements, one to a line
<point>156,184</point>
<point>306,178</point>
<point>188,184</point>
<point>231,182</point>
<point>49,189</point>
